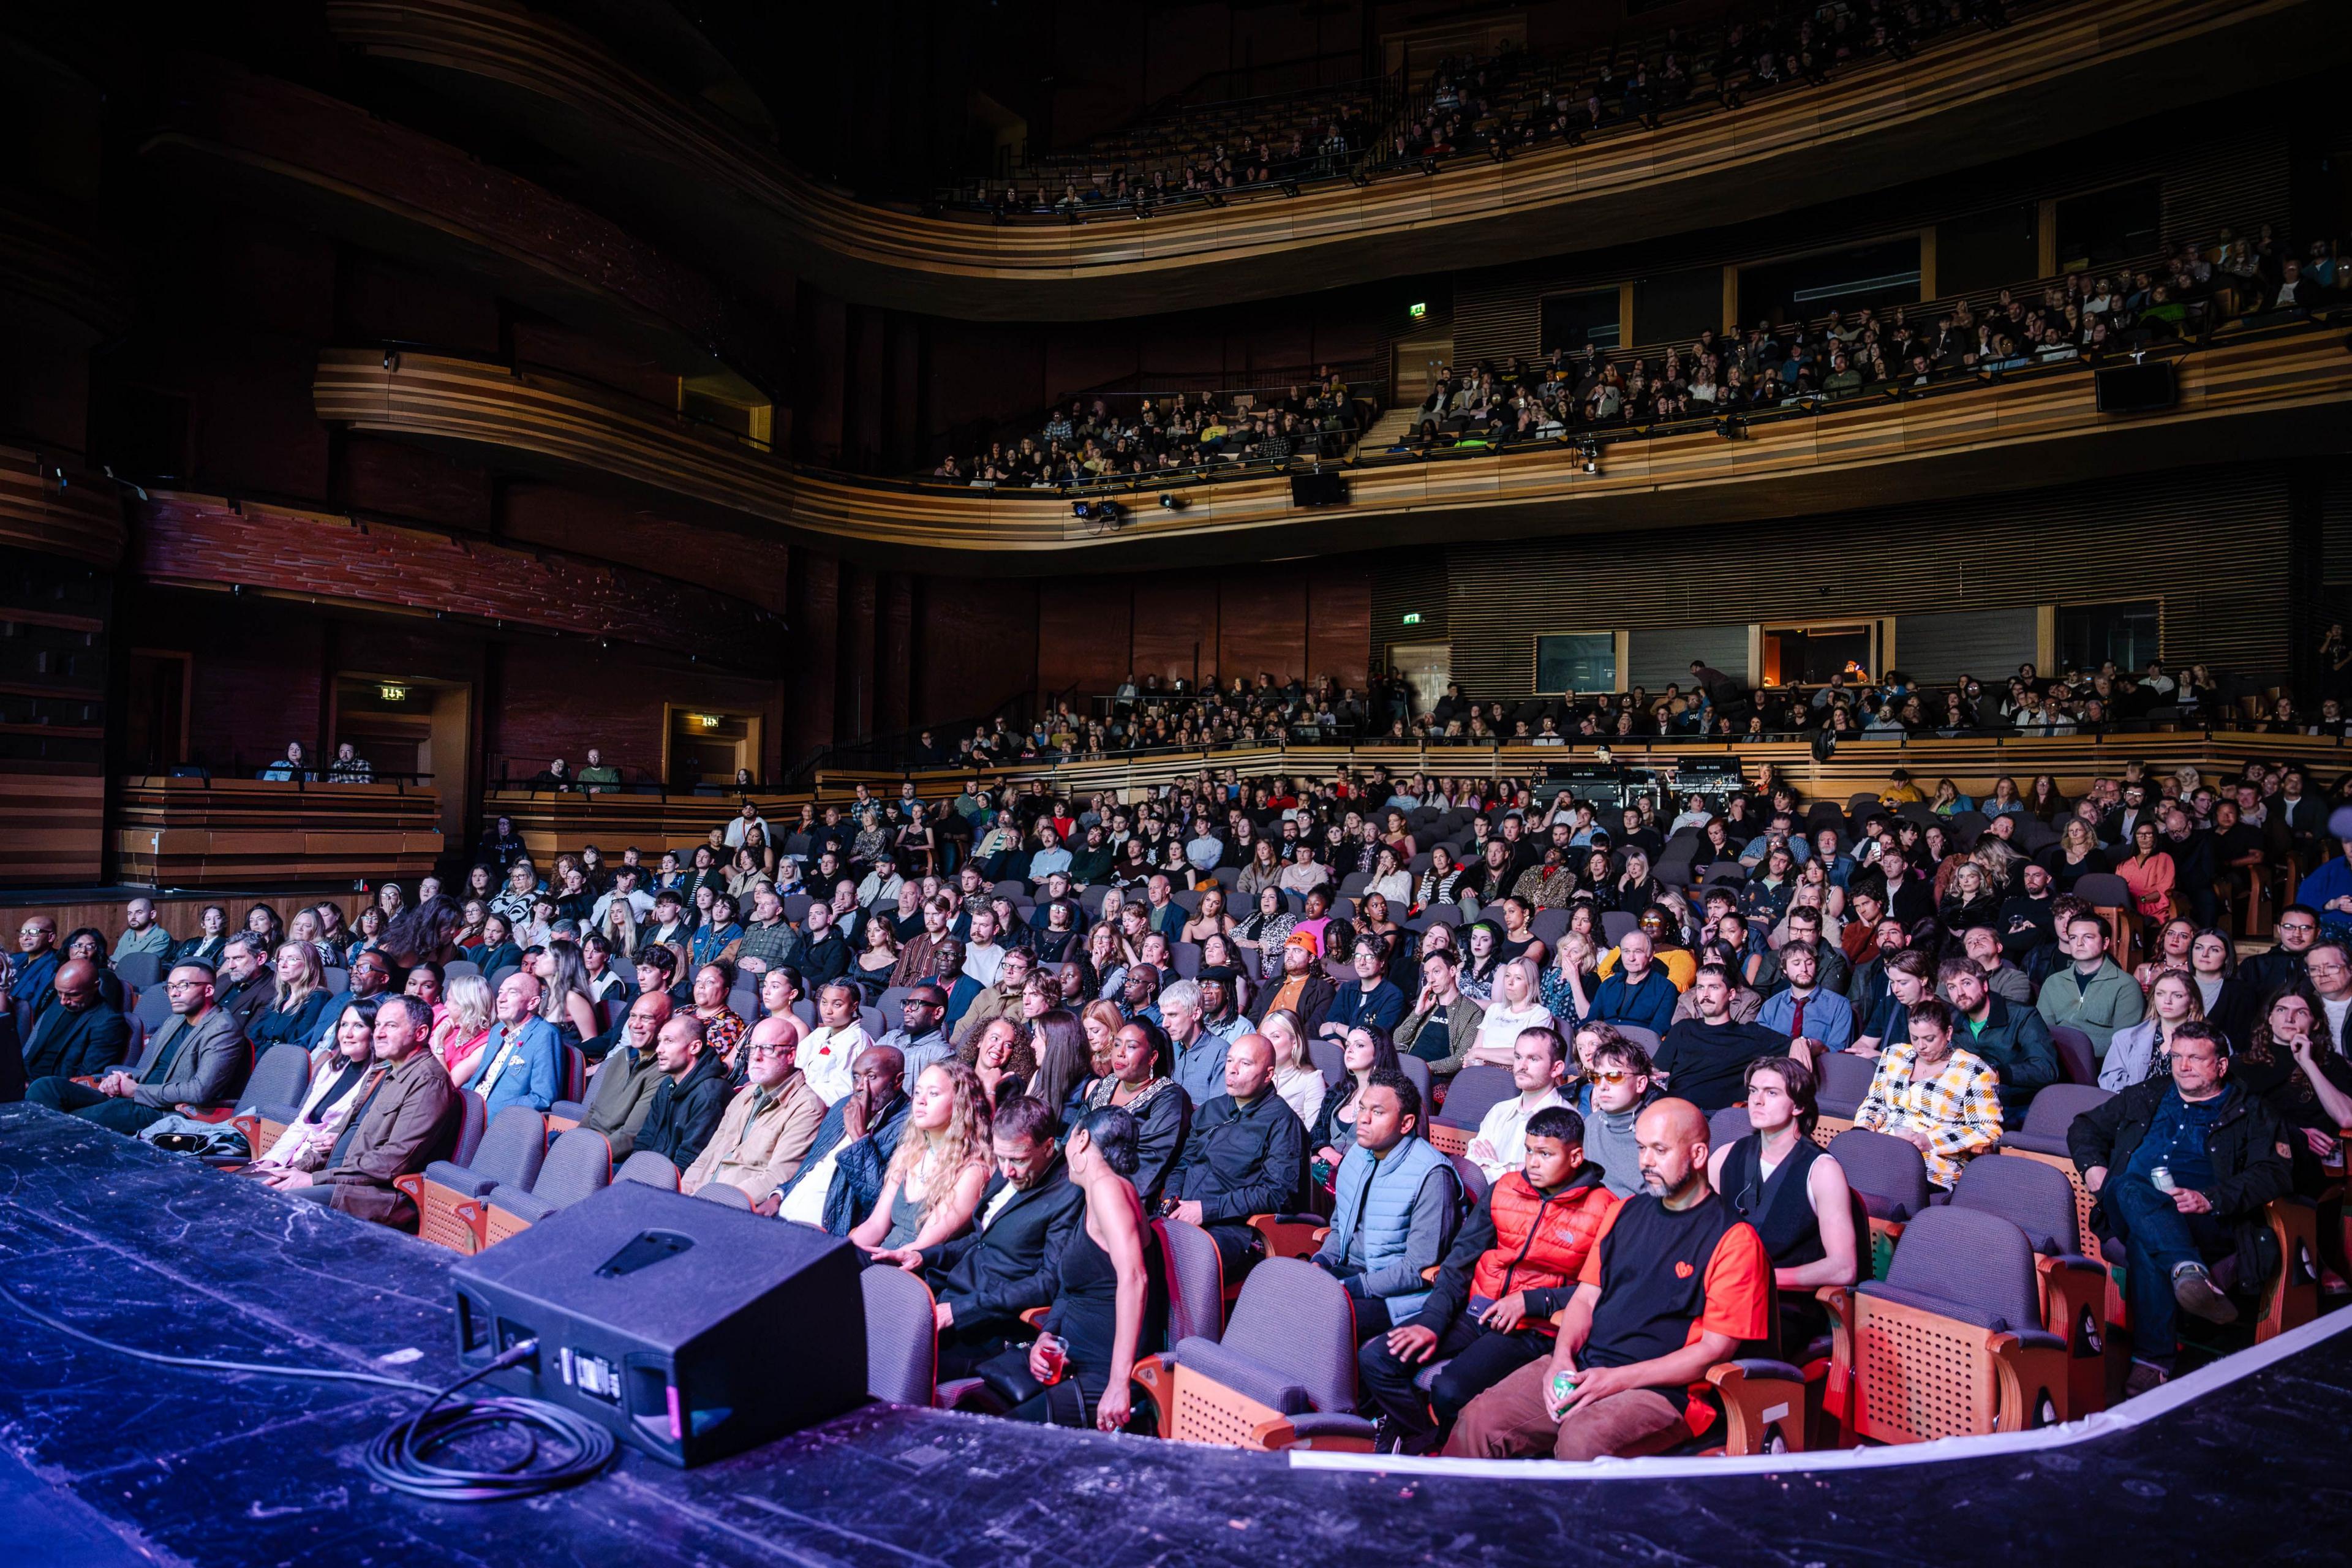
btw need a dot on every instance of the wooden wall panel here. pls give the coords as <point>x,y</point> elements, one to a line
<point>56,813</point>
<point>176,832</point>
<point>608,526</point>
<point>2221,570</point>
<point>1262,623</point>
<point>1176,626</point>
<point>559,699</point>
<point>975,647</point>
<point>202,541</point>
<point>816,652</point>
<point>1085,628</point>
<point>1339,620</point>
<point>409,480</point>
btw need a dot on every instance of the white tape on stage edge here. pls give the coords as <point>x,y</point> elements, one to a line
<point>2161,1401</point>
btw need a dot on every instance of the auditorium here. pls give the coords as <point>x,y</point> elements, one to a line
<point>902,783</point>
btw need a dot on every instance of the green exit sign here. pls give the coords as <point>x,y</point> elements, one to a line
<point>1416,311</point>
<point>1412,617</point>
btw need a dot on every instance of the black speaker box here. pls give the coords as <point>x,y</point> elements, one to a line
<point>2135,388</point>
<point>693,1331</point>
<point>1318,488</point>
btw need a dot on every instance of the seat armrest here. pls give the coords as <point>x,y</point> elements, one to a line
<point>1761,1397</point>
<point>412,1186</point>
<point>1315,1429</point>
<point>1156,1375</point>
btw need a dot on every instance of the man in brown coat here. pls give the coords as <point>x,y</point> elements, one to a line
<point>407,1117</point>
<point>768,1125</point>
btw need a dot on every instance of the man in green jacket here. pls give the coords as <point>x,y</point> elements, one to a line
<point>1445,1015</point>
<point>2091,993</point>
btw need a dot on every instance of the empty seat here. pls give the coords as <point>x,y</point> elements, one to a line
<point>2039,1202</point>
<point>2077,1055</point>
<point>140,970</point>
<point>726,1192</point>
<point>1283,1376</point>
<point>654,1170</point>
<point>1475,1091</point>
<point>1950,1343</point>
<point>901,1336</point>
<point>446,1194</point>
<point>579,1162</point>
<point>273,1095</point>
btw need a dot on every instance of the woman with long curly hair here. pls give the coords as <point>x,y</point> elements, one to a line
<point>936,1177</point>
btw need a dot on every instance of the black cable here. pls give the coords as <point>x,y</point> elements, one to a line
<point>401,1457</point>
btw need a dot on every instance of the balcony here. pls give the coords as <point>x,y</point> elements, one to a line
<point>2065,70</point>
<point>2271,392</point>
<point>202,832</point>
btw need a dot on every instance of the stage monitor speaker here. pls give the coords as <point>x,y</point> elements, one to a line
<point>693,1331</point>
<point>2136,388</point>
<point>1318,488</point>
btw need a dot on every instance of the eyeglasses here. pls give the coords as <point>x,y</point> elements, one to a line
<point>1615,1076</point>
<point>772,1050</point>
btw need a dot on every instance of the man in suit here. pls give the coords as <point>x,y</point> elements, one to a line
<point>406,1117</point>
<point>79,1036</point>
<point>201,1060</point>
<point>522,1063</point>
<point>985,1279</point>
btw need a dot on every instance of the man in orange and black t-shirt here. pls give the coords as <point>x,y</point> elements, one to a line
<point>1674,1283</point>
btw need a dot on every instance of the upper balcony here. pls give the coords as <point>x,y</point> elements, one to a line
<point>2250,392</point>
<point>2062,70</point>
<point>392,190</point>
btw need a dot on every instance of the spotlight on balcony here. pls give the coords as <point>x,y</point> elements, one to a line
<point>1171,502</point>
<point>1590,451</point>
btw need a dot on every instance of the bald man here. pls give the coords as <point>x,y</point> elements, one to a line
<point>624,1084</point>
<point>522,1064</point>
<point>1674,1283</point>
<point>1245,1154</point>
<point>79,1036</point>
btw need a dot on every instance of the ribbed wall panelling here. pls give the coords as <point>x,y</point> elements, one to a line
<point>2334,528</point>
<point>1660,657</point>
<point>2232,174</point>
<point>1406,582</point>
<point>1983,643</point>
<point>2211,542</point>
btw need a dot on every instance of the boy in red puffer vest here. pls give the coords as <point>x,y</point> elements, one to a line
<point>1489,1313</point>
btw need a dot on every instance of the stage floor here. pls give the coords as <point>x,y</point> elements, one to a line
<point>117,1460</point>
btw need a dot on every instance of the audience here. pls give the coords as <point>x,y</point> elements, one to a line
<point>1208,1120</point>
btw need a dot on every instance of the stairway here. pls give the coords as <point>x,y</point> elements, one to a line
<point>1387,430</point>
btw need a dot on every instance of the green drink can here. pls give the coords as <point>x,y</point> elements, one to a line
<point>1563,1386</point>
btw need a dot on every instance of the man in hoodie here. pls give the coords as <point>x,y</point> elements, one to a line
<point>1489,1312</point>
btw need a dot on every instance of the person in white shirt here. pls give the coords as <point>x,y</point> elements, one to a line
<point>1539,1060</point>
<point>1518,1005</point>
<point>749,818</point>
<point>828,1051</point>
<point>628,883</point>
<point>881,884</point>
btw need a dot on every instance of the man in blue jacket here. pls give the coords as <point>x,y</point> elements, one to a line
<point>1397,1206</point>
<point>522,1064</point>
<point>1640,992</point>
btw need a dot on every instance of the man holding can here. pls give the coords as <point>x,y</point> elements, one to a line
<point>1674,1283</point>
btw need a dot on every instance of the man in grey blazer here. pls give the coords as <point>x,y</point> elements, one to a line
<point>200,1060</point>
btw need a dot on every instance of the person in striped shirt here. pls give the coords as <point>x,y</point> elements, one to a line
<point>1942,1101</point>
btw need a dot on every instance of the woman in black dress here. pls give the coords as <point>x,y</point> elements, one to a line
<point>1110,1291</point>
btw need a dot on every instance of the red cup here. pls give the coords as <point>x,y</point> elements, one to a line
<point>1057,1359</point>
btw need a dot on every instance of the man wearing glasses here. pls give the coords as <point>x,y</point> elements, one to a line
<point>199,1061</point>
<point>33,967</point>
<point>768,1126</point>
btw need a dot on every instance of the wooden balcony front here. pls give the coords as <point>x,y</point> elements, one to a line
<point>196,832</point>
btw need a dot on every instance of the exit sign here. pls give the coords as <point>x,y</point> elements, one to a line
<point>1412,617</point>
<point>1416,311</point>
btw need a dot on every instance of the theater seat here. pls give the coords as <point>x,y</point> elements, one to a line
<point>1950,1344</point>
<point>580,1164</point>
<point>654,1170</point>
<point>1890,1176</point>
<point>901,1340</point>
<point>446,1194</point>
<point>1474,1092</point>
<point>2041,1202</point>
<point>1284,1376</point>
<point>1845,1083</point>
<point>273,1096</point>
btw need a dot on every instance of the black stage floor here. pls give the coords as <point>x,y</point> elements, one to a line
<point>105,1459</point>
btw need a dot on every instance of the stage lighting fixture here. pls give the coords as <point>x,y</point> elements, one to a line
<point>1084,511</point>
<point>1290,188</point>
<point>1171,502</point>
<point>1591,450</point>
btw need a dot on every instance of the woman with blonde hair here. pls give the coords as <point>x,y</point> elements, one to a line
<point>302,997</point>
<point>935,1179</point>
<point>1101,1020</point>
<point>1296,1077</point>
<point>468,1010</point>
<point>620,928</point>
